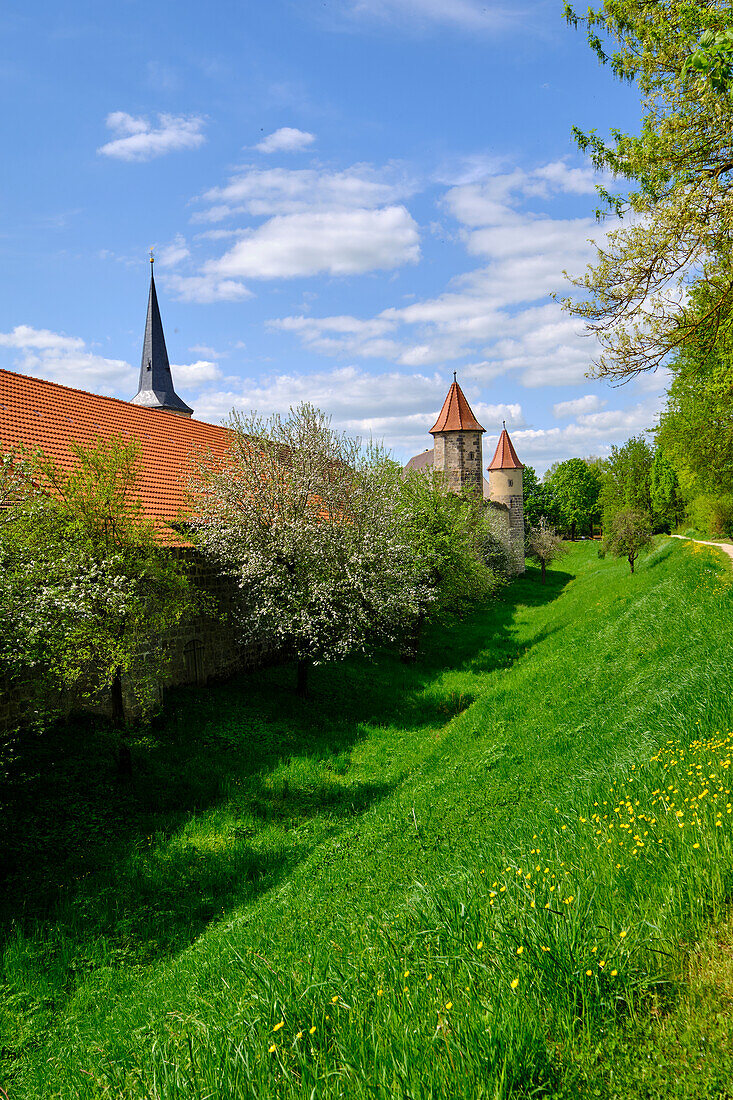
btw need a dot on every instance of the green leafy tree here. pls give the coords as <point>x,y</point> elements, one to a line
<point>539,500</point>
<point>674,178</point>
<point>576,486</point>
<point>90,594</point>
<point>629,534</point>
<point>304,520</point>
<point>667,504</point>
<point>544,545</point>
<point>696,427</point>
<point>712,60</point>
<point>626,479</point>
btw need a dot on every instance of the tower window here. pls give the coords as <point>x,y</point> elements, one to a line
<point>510,482</point>
<point>470,456</point>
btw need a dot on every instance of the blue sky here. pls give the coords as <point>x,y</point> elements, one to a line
<point>348,200</point>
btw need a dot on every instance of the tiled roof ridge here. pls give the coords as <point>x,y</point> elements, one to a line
<point>454,412</point>
<point>505,457</point>
<point>105,397</point>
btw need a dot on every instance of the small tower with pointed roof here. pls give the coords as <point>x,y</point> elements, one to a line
<point>457,438</point>
<point>505,487</point>
<point>155,388</point>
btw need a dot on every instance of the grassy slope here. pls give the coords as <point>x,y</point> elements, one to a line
<point>340,867</point>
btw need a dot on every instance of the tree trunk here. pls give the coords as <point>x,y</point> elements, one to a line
<point>543,571</point>
<point>301,689</point>
<point>124,755</point>
<point>572,531</point>
<point>631,562</point>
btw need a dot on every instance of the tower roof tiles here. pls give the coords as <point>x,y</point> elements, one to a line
<point>505,457</point>
<point>456,414</point>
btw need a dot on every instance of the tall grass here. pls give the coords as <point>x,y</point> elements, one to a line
<point>453,880</point>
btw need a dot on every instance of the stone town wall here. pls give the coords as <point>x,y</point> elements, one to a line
<point>199,650</point>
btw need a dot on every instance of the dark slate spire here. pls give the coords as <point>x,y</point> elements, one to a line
<point>155,389</point>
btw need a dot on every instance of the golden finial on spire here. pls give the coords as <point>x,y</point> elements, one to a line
<point>152,257</point>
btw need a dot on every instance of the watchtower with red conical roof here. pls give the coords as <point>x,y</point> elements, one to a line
<point>457,439</point>
<point>505,487</point>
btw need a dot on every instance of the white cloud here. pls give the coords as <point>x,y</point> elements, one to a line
<point>174,253</point>
<point>338,242</point>
<point>590,403</point>
<point>501,310</point>
<point>470,15</point>
<point>592,433</point>
<point>286,140</point>
<point>196,374</point>
<point>40,339</point>
<point>137,139</point>
<point>209,352</point>
<point>65,359</point>
<point>262,192</point>
<point>207,288</point>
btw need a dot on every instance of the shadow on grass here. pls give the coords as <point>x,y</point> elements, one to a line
<point>226,786</point>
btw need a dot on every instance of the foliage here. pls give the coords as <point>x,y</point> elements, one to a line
<point>452,540</point>
<point>712,59</point>
<point>667,504</point>
<point>628,534</point>
<point>304,520</point>
<point>302,866</point>
<point>544,545</point>
<point>626,479</point>
<point>539,500</point>
<point>575,485</point>
<point>88,592</point>
<point>696,426</point>
<point>678,169</point>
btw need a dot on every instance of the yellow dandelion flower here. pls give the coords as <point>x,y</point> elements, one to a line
<point>514,983</point>
<point>602,962</point>
<point>547,905</point>
<point>479,945</point>
<point>312,1031</point>
<point>406,974</point>
<point>520,950</point>
<point>272,1048</point>
<point>334,999</point>
<point>278,1026</point>
<point>430,977</point>
<point>614,973</point>
<point>695,845</point>
<point>299,1035</point>
<point>380,992</point>
<point>622,934</point>
<point>545,948</point>
<point>589,973</point>
<point>449,1005</point>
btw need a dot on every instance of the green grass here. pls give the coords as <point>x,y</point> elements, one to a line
<point>359,865</point>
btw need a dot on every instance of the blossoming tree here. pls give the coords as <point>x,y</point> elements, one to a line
<point>303,519</point>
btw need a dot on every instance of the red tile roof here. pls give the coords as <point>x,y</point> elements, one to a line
<point>44,414</point>
<point>505,457</point>
<point>456,415</point>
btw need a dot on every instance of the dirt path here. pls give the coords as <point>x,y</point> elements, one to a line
<point>717,545</point>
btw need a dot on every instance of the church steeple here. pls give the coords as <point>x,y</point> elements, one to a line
<point>155,388</point>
